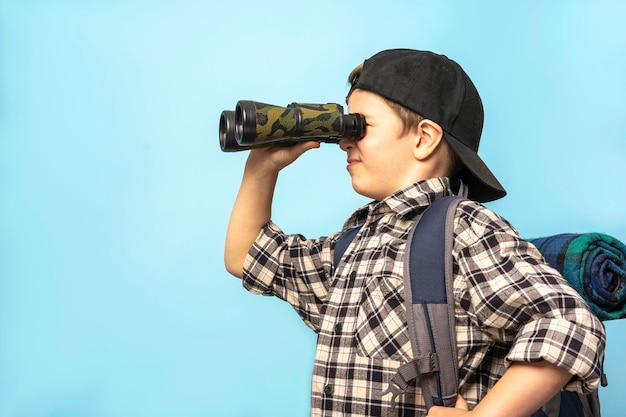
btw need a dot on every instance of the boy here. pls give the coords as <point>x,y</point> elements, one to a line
<point>522,332</point>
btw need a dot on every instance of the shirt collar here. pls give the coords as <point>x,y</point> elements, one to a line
<point>412,199</point>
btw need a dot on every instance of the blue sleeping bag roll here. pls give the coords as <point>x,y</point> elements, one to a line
<point>594,264</point>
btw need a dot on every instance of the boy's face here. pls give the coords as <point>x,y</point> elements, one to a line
<point>382,162</point>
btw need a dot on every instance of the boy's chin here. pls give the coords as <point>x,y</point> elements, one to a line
<point>368,192</point>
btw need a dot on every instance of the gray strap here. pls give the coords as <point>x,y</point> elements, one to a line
<point>553,407</point>
<point>430,314</point>
<point>591,403</point>
<point>441,388</point>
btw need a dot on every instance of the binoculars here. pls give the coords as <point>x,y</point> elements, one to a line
<point>256,125</point>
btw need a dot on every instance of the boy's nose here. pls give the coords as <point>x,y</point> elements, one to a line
<point>346,144</point>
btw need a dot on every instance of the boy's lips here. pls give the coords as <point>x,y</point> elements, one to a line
<point>352,161</point>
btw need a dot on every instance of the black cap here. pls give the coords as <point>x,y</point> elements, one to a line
<point>438,89</point>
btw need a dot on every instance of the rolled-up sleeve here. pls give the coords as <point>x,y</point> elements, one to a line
<point>292,268</point>
<point>519,300</point>
<point>576,348</point>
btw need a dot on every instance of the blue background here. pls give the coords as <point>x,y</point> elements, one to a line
<point>114,194</point>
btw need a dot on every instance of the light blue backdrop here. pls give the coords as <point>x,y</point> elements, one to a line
<point>114,194</point>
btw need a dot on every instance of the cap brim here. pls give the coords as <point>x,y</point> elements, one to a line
<point>482,184</point>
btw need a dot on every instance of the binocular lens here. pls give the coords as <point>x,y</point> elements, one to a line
<point>228,141</point>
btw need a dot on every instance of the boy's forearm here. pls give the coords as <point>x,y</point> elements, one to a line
<point>253,205</point>
<point>523,389</point>
<point>252,210</point>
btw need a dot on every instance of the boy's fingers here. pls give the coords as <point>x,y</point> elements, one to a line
<point>310,145</point>
<point>461,403</point>
<point>301,148</point>
<point>278,157</point>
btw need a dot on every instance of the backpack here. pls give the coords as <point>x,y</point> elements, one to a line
<point>430,317</point>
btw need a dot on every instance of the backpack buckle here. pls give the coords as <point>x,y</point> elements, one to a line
<point>395,389</point>
<point>408,372</point>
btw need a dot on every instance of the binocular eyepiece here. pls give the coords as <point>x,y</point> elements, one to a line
<point>256,125</point>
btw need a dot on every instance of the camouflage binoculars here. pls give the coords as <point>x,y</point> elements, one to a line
<point>257,125</point>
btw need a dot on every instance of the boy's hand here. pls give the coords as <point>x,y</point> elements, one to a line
<point>460,409</point>
<point>274,158</point>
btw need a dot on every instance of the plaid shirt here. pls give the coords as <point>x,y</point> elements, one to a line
<point>510,305</point>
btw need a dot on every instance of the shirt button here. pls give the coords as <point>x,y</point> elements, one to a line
<point>338,328</point>
<point>352,275</point>
<point>328,389</point>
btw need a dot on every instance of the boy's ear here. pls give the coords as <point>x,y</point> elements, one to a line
<point>429,135</point>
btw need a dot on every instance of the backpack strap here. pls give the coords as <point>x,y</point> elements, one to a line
<point>429,302</point>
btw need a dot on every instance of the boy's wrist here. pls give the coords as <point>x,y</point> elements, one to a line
<point>260,164</point>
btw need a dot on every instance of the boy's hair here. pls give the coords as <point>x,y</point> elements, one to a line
<point>410,120</point>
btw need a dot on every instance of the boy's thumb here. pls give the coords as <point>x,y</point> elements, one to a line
<point>461,403</point>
